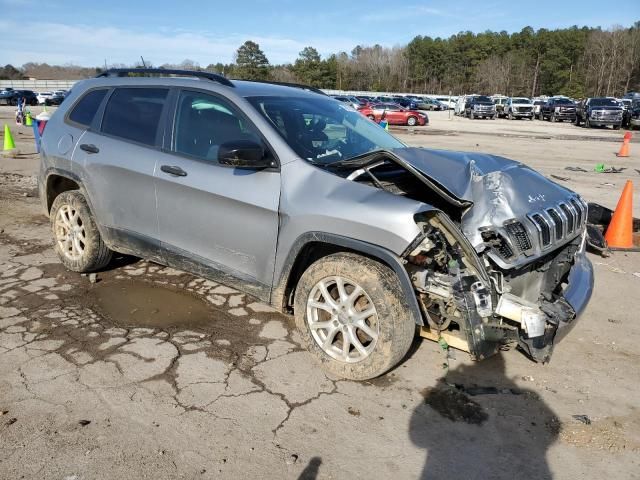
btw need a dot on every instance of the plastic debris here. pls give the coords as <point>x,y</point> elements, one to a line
<point>582,418</point>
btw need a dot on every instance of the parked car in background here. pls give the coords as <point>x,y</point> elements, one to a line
<point>626,104</point>
<point>427,103</point>
<point>634,118</point>
<point>379,238</point>
<point>500,102</point>
<point>599,112</point>
<point>448,102</point>
<point>11,97</point>
<point>537,105</point>
<point>404,102</point>
<point>349,100</point>
<point>42,96</point>
<point>56,98</point>
<point>458,109</point>
<point>480,106</point>
<point>518,107</point>
<point>558,109</point>
<point>394,114</point>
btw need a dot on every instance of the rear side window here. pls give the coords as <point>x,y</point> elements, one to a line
<point>134,114</point>
<point>86,108</point>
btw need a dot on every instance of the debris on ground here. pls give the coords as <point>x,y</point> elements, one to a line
<point>602,168</point>
<point>582,418</point>
<point>84,423</point>
<point>558,177</point>
<point>451,403</point>
<point>93,277</point>
<point>292,459</point>
<point>575,169</point>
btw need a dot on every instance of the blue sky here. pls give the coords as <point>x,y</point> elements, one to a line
<point>209,31</point>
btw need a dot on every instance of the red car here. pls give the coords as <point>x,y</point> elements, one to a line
<point>394,114</point>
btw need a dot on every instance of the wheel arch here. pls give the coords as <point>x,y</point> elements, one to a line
<point>57,182</point>
<point>312,246</point>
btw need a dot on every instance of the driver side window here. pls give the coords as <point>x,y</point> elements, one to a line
<point>204,122</point>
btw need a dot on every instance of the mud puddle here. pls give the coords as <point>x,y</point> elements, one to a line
<point>142,304</point>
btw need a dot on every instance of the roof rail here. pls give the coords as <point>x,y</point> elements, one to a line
<point>289,84</point>
<point>124,72</point>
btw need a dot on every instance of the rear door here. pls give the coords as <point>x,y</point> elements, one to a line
<point>219,216</point>
<point>120,156</point>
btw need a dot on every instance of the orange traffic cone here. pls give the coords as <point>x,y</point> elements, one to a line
<point>620,231</point>
<point>624,149</point>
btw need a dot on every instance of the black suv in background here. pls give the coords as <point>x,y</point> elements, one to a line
<point>480,106</point>
<point>10,97</point>
<point>599,112</point>
<point>558,109</point>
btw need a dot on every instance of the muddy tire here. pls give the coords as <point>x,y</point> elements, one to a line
<point>76,239</point>
<point>374,321</point>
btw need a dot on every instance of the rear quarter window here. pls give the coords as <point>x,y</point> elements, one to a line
<point>84,111</point>
<point>134,114</point>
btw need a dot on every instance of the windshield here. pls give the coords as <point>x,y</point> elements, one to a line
<point>520,100</point>
<point>604,102</point>
<point>563,101</point>
<point>321,130</point>
<point>482,98</point>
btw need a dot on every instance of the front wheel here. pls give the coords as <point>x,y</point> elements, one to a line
<point>412,121</point>
<point>77,240</point>
<point>371,117</point>
<point>353,316</point>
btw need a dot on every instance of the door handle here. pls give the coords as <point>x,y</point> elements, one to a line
<point>173,170</point>
<point>89,148</point>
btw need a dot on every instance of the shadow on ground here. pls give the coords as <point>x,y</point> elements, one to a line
<point>477,424</point>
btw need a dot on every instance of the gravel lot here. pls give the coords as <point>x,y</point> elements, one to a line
<point>148,372</point>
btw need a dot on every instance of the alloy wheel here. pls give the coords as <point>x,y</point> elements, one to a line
<point>342,319</point>
<point>70,232</point>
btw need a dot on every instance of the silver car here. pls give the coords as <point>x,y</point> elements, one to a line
<point>304,203</point>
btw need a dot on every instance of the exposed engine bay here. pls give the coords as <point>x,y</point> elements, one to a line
<point>493,263</point>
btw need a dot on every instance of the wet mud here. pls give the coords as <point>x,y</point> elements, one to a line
<point>140,304</point>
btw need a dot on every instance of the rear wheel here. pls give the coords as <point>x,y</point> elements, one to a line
<point>77,240</point>
<point>371,117</point>
<point>353,316</point>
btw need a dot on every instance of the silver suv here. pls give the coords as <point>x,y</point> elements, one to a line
<point>302,202</point>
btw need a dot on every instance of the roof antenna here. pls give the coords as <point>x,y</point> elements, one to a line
<point>143,64</point>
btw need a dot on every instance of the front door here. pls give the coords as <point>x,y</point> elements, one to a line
<point>223,217</point>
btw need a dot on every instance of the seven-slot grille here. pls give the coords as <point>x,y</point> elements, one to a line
<point>559,222</point>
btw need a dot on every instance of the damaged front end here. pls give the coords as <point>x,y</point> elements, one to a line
<point>483,307</point>
<point>502,262</point>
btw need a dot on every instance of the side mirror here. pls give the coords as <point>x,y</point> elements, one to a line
<point>243,154</point>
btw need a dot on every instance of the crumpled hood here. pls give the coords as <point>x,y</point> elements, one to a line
<point>499,189</point>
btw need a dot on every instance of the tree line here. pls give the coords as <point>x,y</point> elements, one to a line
<point>576,61</point>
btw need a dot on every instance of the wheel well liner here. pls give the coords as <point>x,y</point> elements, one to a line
<point>56,184</point>
<point>312,246</point>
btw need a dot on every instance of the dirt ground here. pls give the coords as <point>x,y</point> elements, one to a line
<point>148,372</point>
